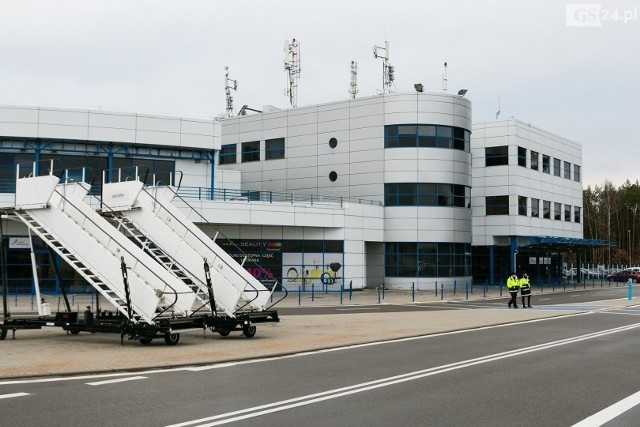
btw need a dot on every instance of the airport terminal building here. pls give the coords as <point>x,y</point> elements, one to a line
<point>399,188</point>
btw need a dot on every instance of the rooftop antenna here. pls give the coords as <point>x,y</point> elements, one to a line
<point>498,112</point>
<point>387,68</point>
<point>292,67</point>
<point>227,90</point>
<point>444,78</point>
<point>353,86</point>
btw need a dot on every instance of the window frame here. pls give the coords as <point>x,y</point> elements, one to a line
<point>232,155</point>
<point>250,151</point>
<point>273,150</point>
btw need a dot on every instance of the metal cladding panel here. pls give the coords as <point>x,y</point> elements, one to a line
<point>119,196</point>
<point>35,192</point>
<point>220,262</point>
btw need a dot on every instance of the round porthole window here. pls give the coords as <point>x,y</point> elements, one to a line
<point>333,143</point>
<point>333,176</point>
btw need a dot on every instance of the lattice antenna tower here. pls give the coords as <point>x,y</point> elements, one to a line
<point>387,69</point>
<point>292,67</point>
<point>444,78</point>
<point>353,86</point>
<point>227,90</point>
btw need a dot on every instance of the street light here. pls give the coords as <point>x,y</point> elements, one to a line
<point>418,87</point>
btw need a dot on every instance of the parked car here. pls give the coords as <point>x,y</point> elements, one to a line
<point>624,275</point>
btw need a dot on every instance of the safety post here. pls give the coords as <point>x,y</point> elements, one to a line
<point>341,291</point>
<point>413,291</point>
<point>441,291</point>
<point>378,289</point>
<point>467,289</point>
<point>454,287</point>
<point>313,292</point>
<point>629,289</point>
<point>382,291</point>
<point>436,288</point>
<point>350,289</point>
<point>299,295</point>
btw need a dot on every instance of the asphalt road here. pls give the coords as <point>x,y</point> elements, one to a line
<point>552,372</point>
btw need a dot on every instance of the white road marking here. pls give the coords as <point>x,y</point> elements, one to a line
<point>9,396</point>
<point>117,380</point>
<point>257,411</point>
<point>357,308</point>
<point>607,414</point>
<point>543,299</point>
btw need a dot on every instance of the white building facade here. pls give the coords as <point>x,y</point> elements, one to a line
<point>393,189</point>
<point>526,198</point>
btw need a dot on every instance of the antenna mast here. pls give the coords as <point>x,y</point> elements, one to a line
<point>292,67</point>
<point>444,78</point>
<point>227,90</point>
<point>353,87</point>
<point>387,68</point>
<point>498,112</point>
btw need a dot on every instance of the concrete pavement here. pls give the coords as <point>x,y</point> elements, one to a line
<point>51,351</point>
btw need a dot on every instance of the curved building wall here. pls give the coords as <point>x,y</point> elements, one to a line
<point>342,149</point>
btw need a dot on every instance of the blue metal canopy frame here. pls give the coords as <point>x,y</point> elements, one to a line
<point>564,243</point>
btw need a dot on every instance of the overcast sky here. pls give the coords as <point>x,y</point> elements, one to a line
<point>168,57</point>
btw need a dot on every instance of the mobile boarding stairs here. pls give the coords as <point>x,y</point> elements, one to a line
<point>198,287</point>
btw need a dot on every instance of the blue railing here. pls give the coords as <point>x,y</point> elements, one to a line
<point>223,194</point>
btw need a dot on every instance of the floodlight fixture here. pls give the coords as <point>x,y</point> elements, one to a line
<point>418,87</point>
<point>462,92</point>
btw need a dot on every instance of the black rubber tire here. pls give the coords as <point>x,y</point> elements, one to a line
<point>224,332</point>
<point>74,331</point>
<point>145,340</point>
<point>171,338</point>
<point>3,334</point>
<point>249,331</point>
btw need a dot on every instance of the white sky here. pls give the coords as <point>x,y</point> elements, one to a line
<point>168,57</point>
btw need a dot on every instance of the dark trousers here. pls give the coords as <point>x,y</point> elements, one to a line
<point>514,298</point>
<point>526,294</point>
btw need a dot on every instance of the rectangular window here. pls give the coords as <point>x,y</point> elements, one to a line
<point>535,208</point>
<point>534,160</point>
<point>576,173</point>
<point>497,205</point>
<point>546,209</point>
<point>227,154</point>
<point>556,167</point>
<point>567,212</point>
<point>522,157</point>
<point>545,164</point>
<point>522,205</point>
<point>445,137</point>
<point>274,149</point>
<point>496,156</point>
<point>557,211</point>
<point>251,151</point>
<point>567,170</point>
<point>576,214</point>
<point>426,136</point>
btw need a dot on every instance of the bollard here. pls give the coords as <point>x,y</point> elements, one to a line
<point>383,291</point>
<point>350,289</point>
<point>341,292</point>
<point>436,288</point>
<point>299,295</point>
<point>630,289</point>
<point>313,291</point>
<point>467,289</point>
<point>441,291</point>
<point>413,291</point>
<point>454,287</point>
<point>484,289</point>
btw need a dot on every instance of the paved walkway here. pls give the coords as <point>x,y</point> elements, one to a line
<point>50,351</point>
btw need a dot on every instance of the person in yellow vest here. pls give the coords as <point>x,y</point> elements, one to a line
<point>513,284</point>
<point>525,290</point>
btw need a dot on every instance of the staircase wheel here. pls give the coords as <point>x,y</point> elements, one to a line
<point>145,340</point>
<point>3,334</point>
<point>224,332</point>
<point>249,331</point>
<point>171,338</point>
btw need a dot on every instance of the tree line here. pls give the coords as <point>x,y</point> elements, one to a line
<point>612,214</point>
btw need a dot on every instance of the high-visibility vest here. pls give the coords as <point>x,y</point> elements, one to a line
<point>512,283</point>
<point>524,283</point>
